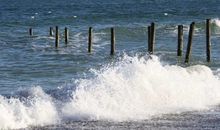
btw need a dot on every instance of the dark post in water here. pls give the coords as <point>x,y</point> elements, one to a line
<point>51,31</point>
<point>152,38</point>
<point>149,39</point>
<point>30,31</point>
<point>180,40</point>
<point>208,41</point>
<point>57,37</point>
<point>90,40</point>
<point>66,35</point>
<point>112,41</point>
<point>189,45</point>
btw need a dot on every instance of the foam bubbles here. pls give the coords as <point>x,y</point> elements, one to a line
<point>216,21</point>
<point>37,109</point>
<point>137,89</point>
<point>132,89</point>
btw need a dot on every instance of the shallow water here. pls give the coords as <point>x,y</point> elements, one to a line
<point>43,87</point>
<point>196,120</point>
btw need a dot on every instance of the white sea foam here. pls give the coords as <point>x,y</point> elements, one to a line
<point>79,38</point>
<point>38,109</point>
<point>137,89</point>
<point>216,21</point>
<point>132,89</point>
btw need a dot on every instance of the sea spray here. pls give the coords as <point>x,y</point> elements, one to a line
<point>216,21</point>
<point>136,89</point>
<point>37,109</point>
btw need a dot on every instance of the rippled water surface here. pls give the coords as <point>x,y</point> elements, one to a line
<point>67,87</point>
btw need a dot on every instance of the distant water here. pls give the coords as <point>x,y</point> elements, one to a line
<point>46,88</point>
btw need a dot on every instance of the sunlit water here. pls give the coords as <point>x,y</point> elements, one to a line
<point>43,87</point>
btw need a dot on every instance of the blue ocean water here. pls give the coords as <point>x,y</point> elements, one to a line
<point>53,88</point>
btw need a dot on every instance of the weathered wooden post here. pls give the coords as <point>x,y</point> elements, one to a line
<point>57,37</point>
<point>180,40</point>
<point>152,39</point>
<point>51,31</point>
<point>149,39</point>
<point>112,52</point>
<point>90,40</point>
<point>208,41</point>
<point>189,45</point>
<point>30,31</point>
<point>66,35</point>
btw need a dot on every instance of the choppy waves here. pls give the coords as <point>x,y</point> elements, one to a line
<point>132,89</point>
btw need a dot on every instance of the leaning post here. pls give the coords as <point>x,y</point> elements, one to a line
<point>189,45</point>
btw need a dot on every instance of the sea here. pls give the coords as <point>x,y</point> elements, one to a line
<point>43,87</point>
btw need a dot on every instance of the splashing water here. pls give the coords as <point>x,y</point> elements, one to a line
<point>132,89</point>
<point>137,89</point>
<point>216,21</point>
<point>37,109</point>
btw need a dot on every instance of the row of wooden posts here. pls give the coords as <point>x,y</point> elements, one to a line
<point>151,39</point>
<point>66,36</point>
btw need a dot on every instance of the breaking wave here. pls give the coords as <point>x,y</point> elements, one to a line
<point>132,89</point>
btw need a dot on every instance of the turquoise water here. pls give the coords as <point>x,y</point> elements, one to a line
<point>27,62</point>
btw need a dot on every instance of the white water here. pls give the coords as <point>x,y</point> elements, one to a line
<point>38,109</point>
<point>216,21</point>
<point>133,89</point>
<point>138,89</point>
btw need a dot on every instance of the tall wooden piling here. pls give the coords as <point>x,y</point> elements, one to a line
<point>112,52</point>
<point>90,40</point>
<point>152,38</point>
<point>51,31</point>
<point>208,41</point>
<point>189,45</point>
<point>66,32</point>
<point>30,31</point>
<point>180,40</point>
<point>149,39</point>
<point>57,37</point>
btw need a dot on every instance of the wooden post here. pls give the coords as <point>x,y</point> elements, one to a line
<point>51,31</point>
<point>149,39</point>
<point>180,40</point>
<point>30,31</point>
<point>208,40</point>
<point>189,45</point>
<point>66,35</point>
<point>152,39</point>
<point>90,40</point>
<point>57,37</point>
<point>112,52</point>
